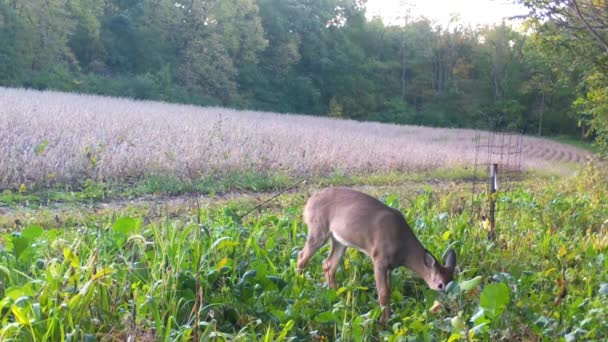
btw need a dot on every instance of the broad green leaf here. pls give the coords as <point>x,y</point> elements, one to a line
<point>470,284</point>
<point>15,292</point>
<point>279,314</point>
<point>32,232</point>
<point>454,337</point>
<point>223,263</point>
<point>20,244</point>
<point>217,243</point>
<point>125,225</point>
<point>374,314</point>
<point>226,244</point>
<point>325,317</point>
<point>494,299</point>
<point>357,327</point>
<point>71,257</point>
<point>20,315</point>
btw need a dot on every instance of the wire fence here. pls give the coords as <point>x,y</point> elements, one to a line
<point>496,173</point>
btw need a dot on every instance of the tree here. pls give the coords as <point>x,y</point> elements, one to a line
<point>85,41</point>
<point>215,38</point>
<point>207,66</point>
<point>581,25</point>
<point>52,25</point>
<point>16,47</point>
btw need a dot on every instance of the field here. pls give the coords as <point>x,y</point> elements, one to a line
<point>197,268</point>
<point>49,139</point>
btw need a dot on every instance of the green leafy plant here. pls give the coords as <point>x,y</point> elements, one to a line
<point>210,274</point>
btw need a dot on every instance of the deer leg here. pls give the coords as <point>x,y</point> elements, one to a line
<point>330,265</point>
<point>382,275</point>
<point>313,243</point>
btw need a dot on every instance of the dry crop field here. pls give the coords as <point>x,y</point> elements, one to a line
<point>50,137</point>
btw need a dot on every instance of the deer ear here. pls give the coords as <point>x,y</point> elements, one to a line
<point>450,259</point>
<point>429,260</point>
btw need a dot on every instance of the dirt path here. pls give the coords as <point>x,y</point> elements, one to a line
<point>161,206</point>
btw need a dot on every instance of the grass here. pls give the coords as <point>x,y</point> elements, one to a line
<point>166,186</point>
<point>152,186</point>
<point>585,145</point>
<point>158,186</point>
<point>209,274</point>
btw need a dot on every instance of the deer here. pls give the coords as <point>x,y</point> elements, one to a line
<point>350,218</point>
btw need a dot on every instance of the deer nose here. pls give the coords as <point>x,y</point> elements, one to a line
<point>440,286</point>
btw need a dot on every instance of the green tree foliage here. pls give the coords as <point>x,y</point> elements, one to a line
<point>578,30</point>
<point>594,106</point>
<point>317,57</point>
<point>16,46</point>
<point>85,40</point>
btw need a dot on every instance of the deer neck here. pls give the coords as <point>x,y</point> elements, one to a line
<point>413,257</point>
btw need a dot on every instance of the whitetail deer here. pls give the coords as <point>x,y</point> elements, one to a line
<point>353,219</point>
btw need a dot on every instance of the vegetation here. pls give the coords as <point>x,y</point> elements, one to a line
<point>59,140</point>
<point>314,57</point>
<point>210,274</point>
<point>575,32</point>
<point>220,268</point>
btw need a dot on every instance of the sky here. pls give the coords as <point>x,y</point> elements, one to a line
<point>473,12</point>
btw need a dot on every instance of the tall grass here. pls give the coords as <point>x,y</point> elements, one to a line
<point>49,137</point>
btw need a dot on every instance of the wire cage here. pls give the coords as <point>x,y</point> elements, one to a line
<point>496,172</point>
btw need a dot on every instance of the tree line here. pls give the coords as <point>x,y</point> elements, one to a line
<point>321,57</point>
